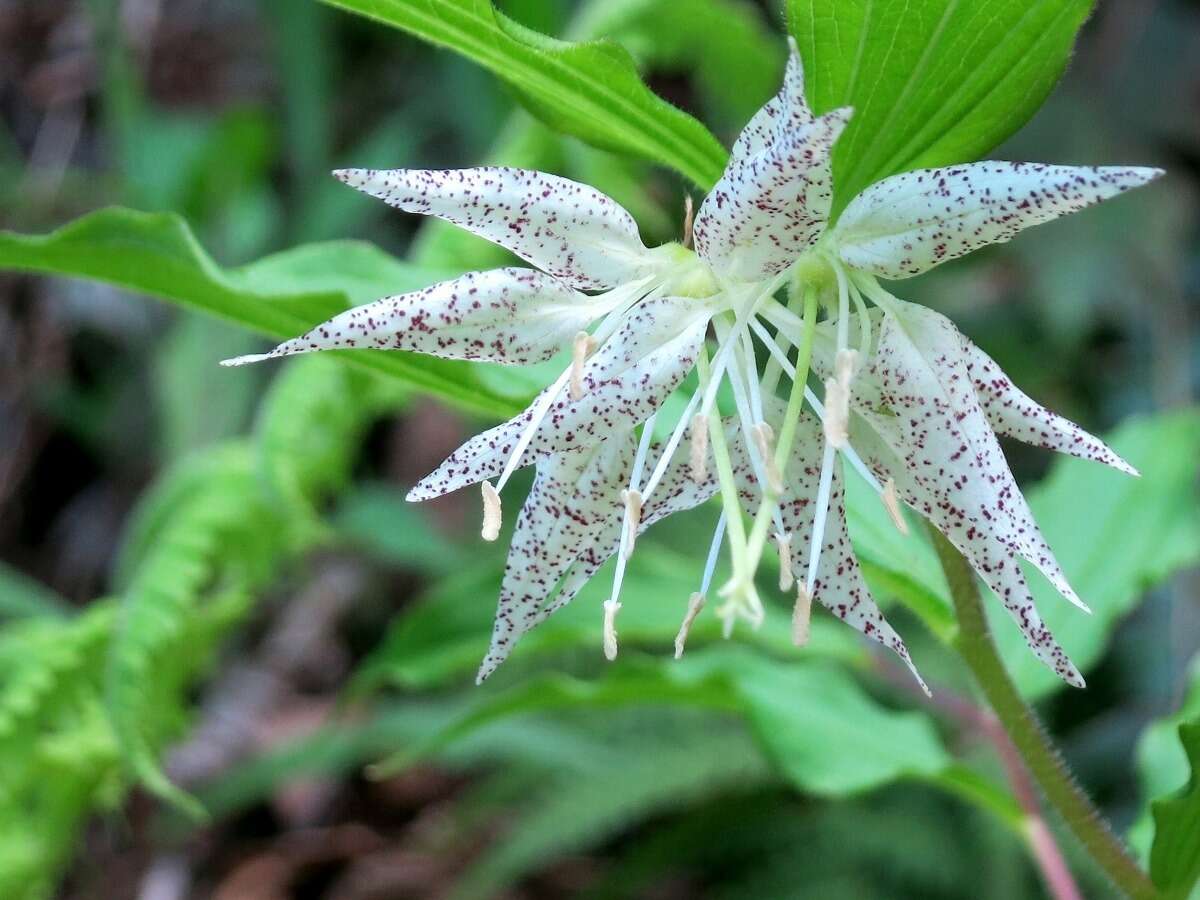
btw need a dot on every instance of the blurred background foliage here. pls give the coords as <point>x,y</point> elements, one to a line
<point>212,593</point>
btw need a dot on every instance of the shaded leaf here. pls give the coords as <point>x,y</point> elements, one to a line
<point>279,296</point>
<point>590,90</point>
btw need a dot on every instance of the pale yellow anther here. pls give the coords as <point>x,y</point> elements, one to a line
<point>783,544</point>
<point>892,504</point>
<point>491,512</point>
<point>764,440</point>
<point>699,440</point>
<point>610,629</point>
<point>695,604</point>
<point>582,347</point>
<point>801,616</point>
<point>632,498</point>
<point>837,398</point>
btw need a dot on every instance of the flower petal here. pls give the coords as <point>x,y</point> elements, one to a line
<point>909,223</point>
<point>575,499</point>
<point>512,316</point>
<point>624,382</point>
<point>769,208</point>
<point>1014,414</point>
<point>571,525</point>
<point>839,585</point>
<point>786,111</point>
<point>917,421</point>
<point>568,229</point>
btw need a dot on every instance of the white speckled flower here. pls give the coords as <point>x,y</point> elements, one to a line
<point>913,407</point>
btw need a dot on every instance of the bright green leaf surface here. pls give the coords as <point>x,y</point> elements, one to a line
<point>932,82</point>
<point>1162,763</point>
<point>590,90</point>
<point>279,296</point>
<point>1175,856</point>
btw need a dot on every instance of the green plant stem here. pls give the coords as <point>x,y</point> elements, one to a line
<point>974,644</point>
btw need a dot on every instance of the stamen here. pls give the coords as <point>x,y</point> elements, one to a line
<point>783,544</point>
<point>801,616</point>
<point>688,218</point>
<point>695,604</point>
<point>699,454</point>
<point>764,440</point>
<point>892,505</point>
<point>611,608</point>
<point>583,347</point>
<point>837,419</point>
<point>491,512</point>
<point>632,498</point>
<point>837,398</point>
<point>824,490</point>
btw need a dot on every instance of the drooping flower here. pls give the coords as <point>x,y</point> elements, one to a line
<point>913,407</point>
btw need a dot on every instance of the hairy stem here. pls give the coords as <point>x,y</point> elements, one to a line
<point>974,643</point>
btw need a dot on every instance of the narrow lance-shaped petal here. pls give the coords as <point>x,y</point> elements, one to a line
<point>511,316</point>
<point>622,384</point>
<point>913,422</point>
<point>1014,414</point>
<point>568,229</point>
<point>768,209</point>
<point>839,585</point>
<point>571,525</point>
<point>785,112</point>
<point>909,223</point>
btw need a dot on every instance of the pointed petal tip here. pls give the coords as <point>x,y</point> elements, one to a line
<point>235,361</point>
<point>353,177</point>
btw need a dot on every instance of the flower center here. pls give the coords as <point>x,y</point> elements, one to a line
<point>684,273</point>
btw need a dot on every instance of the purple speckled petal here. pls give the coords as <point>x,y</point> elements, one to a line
<point>916,419</point>
<point>624,382</point>
<point>568,229</point>
<point>839,585</point>
<point>571,525</point>
<point>909,223</point>
<point>575,503</point>
<point>512,316</point>
<point>1014,414</point>
<point>769,208</point>
<point>786,111</point>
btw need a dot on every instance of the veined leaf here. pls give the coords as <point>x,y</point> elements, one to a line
<point>932,82</point>
<point>1175,855</point>
<point>279,296</point>
<point>590,90</point>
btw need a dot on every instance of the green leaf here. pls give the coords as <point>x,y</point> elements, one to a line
<point>445,636</point>
<point>279,296</point>
<point>590,90</point>
<point>824,734</point>
<point>1175,856</point>
<point>1087,513</point>
<point>1084,510</point>
<point>932,82</point>
<point>22,596</point>
<point>1162,762</point>
<point>736,59</point>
